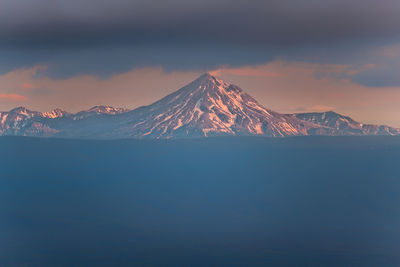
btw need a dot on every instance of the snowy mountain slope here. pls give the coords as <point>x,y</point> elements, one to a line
<point>203,108</point>
<point>21,121</point>
<point>209,107</point>
<point>97,110</point>
<point>16,121</point>
<point>343,125</point>
<point>370,129</point>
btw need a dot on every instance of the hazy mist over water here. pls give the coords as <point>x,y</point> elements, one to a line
<point>306,201</point>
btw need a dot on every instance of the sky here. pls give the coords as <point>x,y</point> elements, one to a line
<point>292,56</point>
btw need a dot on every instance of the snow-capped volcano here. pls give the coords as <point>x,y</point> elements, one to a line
<point>210,107</point>
<point>205,107</point>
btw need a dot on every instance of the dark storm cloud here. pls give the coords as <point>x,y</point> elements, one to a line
<point>109,60</point>
<point>386,75</point>
<point>254,22</point>
<point>110,36</point>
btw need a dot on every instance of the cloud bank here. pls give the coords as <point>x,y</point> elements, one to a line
<point>108,37</point>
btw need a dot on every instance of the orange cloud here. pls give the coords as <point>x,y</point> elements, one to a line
<point>320,108</point>
<point>358,70</point>
<point>27,86</point>
<point>244,71</point>
<point>390,51</point>
<point>314,108</point>
<point>13,97</point>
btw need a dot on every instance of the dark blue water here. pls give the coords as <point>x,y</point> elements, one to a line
<point>317,201</point>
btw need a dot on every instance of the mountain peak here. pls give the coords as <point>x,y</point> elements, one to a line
<point>207,107</point>
<point>23,111</point>
<point>107,109</point>
<point>99,108</point>
<point>206,76</point>
<point>207,86</point>
<point>55,113</point>
<point>206,79</point>
<point>344,125</point>
<point>18,109</point>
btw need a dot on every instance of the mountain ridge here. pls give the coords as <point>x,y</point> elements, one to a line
<point>205,107</point>
<point>344,123</point>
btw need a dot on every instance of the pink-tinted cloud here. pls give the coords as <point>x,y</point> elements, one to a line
<point>27,85</point>
<point>318,108</point>
<point>244,71</point>
<point>390,51</point>
<point>358,69</point>
<point>13,97</point>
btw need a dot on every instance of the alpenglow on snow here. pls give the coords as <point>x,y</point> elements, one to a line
<point>205,107</point>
